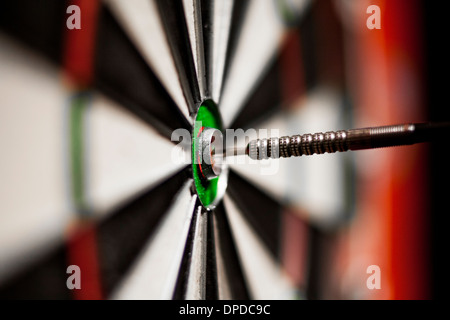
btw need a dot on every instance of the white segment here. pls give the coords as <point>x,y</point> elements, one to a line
<point>262,33</point>
<point>196,284</point>
<point>313,184</point>
<point>34,205</point>
<point>141,21</point>
<point>125,156</point>
<point>264,276</point>
<point>155,272</point>
<point>223,11</point>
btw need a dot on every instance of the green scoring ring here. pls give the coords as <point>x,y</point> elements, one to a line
<point>207,190</point>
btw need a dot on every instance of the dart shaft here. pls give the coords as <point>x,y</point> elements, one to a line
<point>344,140</point>
<point>233,151</point>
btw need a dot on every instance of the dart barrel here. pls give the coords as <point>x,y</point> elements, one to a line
<point>345,140</point>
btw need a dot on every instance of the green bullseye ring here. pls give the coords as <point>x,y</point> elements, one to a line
<point>208,191</point>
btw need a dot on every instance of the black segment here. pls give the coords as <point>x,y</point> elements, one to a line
<point>122,237</point>
<point>308,41</point>
<point>227,248</point>
<point>207,10</point>
<point>436,21</point>
<point>316,269</point>
<point>261,211</point>
<point>329,49</point>
<point>45,279</point>
<point>122,73</point>
<point>265,100</point>
<point>211,290</point>
<point>39,24</point>
<point>174,22</point>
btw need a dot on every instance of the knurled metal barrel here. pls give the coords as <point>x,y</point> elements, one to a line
<point>344,140</point>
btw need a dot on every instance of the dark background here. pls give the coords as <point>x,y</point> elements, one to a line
<point>436,33</point>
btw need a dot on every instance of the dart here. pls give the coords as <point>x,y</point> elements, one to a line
<point>213,150</point>
<point>346,140</point>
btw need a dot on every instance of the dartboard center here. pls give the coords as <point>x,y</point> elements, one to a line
<point>209,183</point>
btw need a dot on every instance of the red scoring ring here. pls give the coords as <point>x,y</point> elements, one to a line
<point>198,160</point>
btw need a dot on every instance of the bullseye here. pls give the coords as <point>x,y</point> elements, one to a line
<point>209,172</point>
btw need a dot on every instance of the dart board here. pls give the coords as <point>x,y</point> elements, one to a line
<point>94,183</point>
